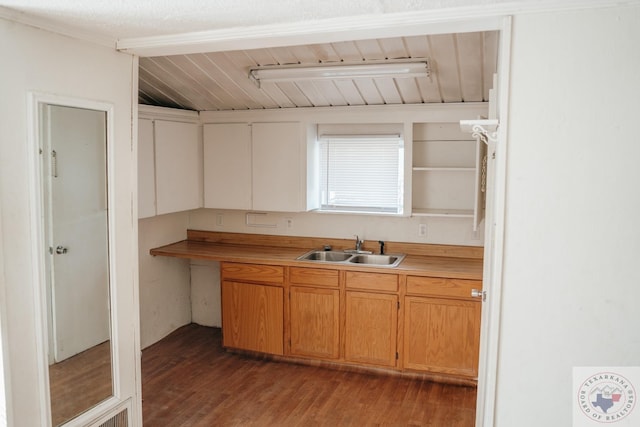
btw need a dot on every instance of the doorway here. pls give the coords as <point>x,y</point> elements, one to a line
<point>495,193</point>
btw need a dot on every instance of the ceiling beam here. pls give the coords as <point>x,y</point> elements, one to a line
<point>486,17</point>
<point>302,33</point>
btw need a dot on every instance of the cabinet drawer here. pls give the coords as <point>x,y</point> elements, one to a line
<point>441,287</point>
<point>372,281</point>
<point>313,276</point>
<point>253,272</point>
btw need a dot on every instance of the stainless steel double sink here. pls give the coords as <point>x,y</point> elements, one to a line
<point>352,257</point>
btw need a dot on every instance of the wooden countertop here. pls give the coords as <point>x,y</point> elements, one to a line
<point>413,264</point>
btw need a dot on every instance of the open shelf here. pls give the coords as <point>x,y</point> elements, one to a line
<point>442,169</point>
<point>446,172</point>
<point>450,213</point>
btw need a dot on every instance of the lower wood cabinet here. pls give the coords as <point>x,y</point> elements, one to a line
<point>441,335</point>
<point>353,317</point>
<point>252,313</point>
<point>252,317</point>
<point>314,314</point>
<point>371,322</point>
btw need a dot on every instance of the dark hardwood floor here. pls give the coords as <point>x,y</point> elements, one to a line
<point>189,380</point>
<point>80,382</point>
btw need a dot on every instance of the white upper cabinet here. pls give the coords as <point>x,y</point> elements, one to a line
<point>178,177</point>
<point>276,167</point>
<point>169,161</point>
<point>146,170</point>
<point>253,166</point>
<point>227,160</point>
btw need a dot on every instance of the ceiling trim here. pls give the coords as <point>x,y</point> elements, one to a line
<point>435,21</point>
<point>153,112</point>
<point>353,114</point>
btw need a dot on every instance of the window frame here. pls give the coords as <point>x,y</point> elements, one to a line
<point>354,136</point>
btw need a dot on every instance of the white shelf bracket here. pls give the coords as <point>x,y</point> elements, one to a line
<point>486,130</point>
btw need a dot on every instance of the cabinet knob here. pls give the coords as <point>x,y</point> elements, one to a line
<point>479,293</point>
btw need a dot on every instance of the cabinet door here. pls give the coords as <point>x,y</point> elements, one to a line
<point>277,164</point>
<point>146,170</point>
<point>252,317</point>
<point>227,166</point>
<point>371,328</point>
<point>178,167</point>
<point>442,335</point>
<point>315,322</point>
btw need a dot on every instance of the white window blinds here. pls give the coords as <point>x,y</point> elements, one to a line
<point>360,173</point>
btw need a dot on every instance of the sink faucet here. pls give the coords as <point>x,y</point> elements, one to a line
<point>358,243</point>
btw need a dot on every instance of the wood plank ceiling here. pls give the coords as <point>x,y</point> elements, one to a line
<point>462,67</point>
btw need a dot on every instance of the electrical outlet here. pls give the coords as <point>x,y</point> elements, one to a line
<point>219,220</point>
<point>289,222</point>
<point>422,230</point>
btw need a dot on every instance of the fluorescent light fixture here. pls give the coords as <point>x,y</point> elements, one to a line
<point>335,72</point>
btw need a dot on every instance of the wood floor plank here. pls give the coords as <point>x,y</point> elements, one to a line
<point>80,382</point>
<point>189,380</point>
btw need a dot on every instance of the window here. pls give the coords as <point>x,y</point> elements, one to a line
<point>361,173</point>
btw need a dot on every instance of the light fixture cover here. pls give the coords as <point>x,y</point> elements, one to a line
<point>334,72</point>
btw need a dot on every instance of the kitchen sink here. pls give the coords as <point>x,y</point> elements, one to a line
<point>351,257</point>
<point>376,259</point>
<point>327,256</point>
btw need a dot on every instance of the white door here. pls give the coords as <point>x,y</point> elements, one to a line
<point>76,200</point>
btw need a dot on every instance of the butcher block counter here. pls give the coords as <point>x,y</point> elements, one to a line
<point>460,262</point>
<point>417,318</point>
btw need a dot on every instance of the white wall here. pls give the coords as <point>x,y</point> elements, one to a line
<point>205,293</point>
<point>37,60</point>
<point>571,285</point>
<point>452,231</point>
<point>165,291</point>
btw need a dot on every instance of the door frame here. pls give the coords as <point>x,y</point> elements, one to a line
<point>39,240</point>
<point>494,239</point>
